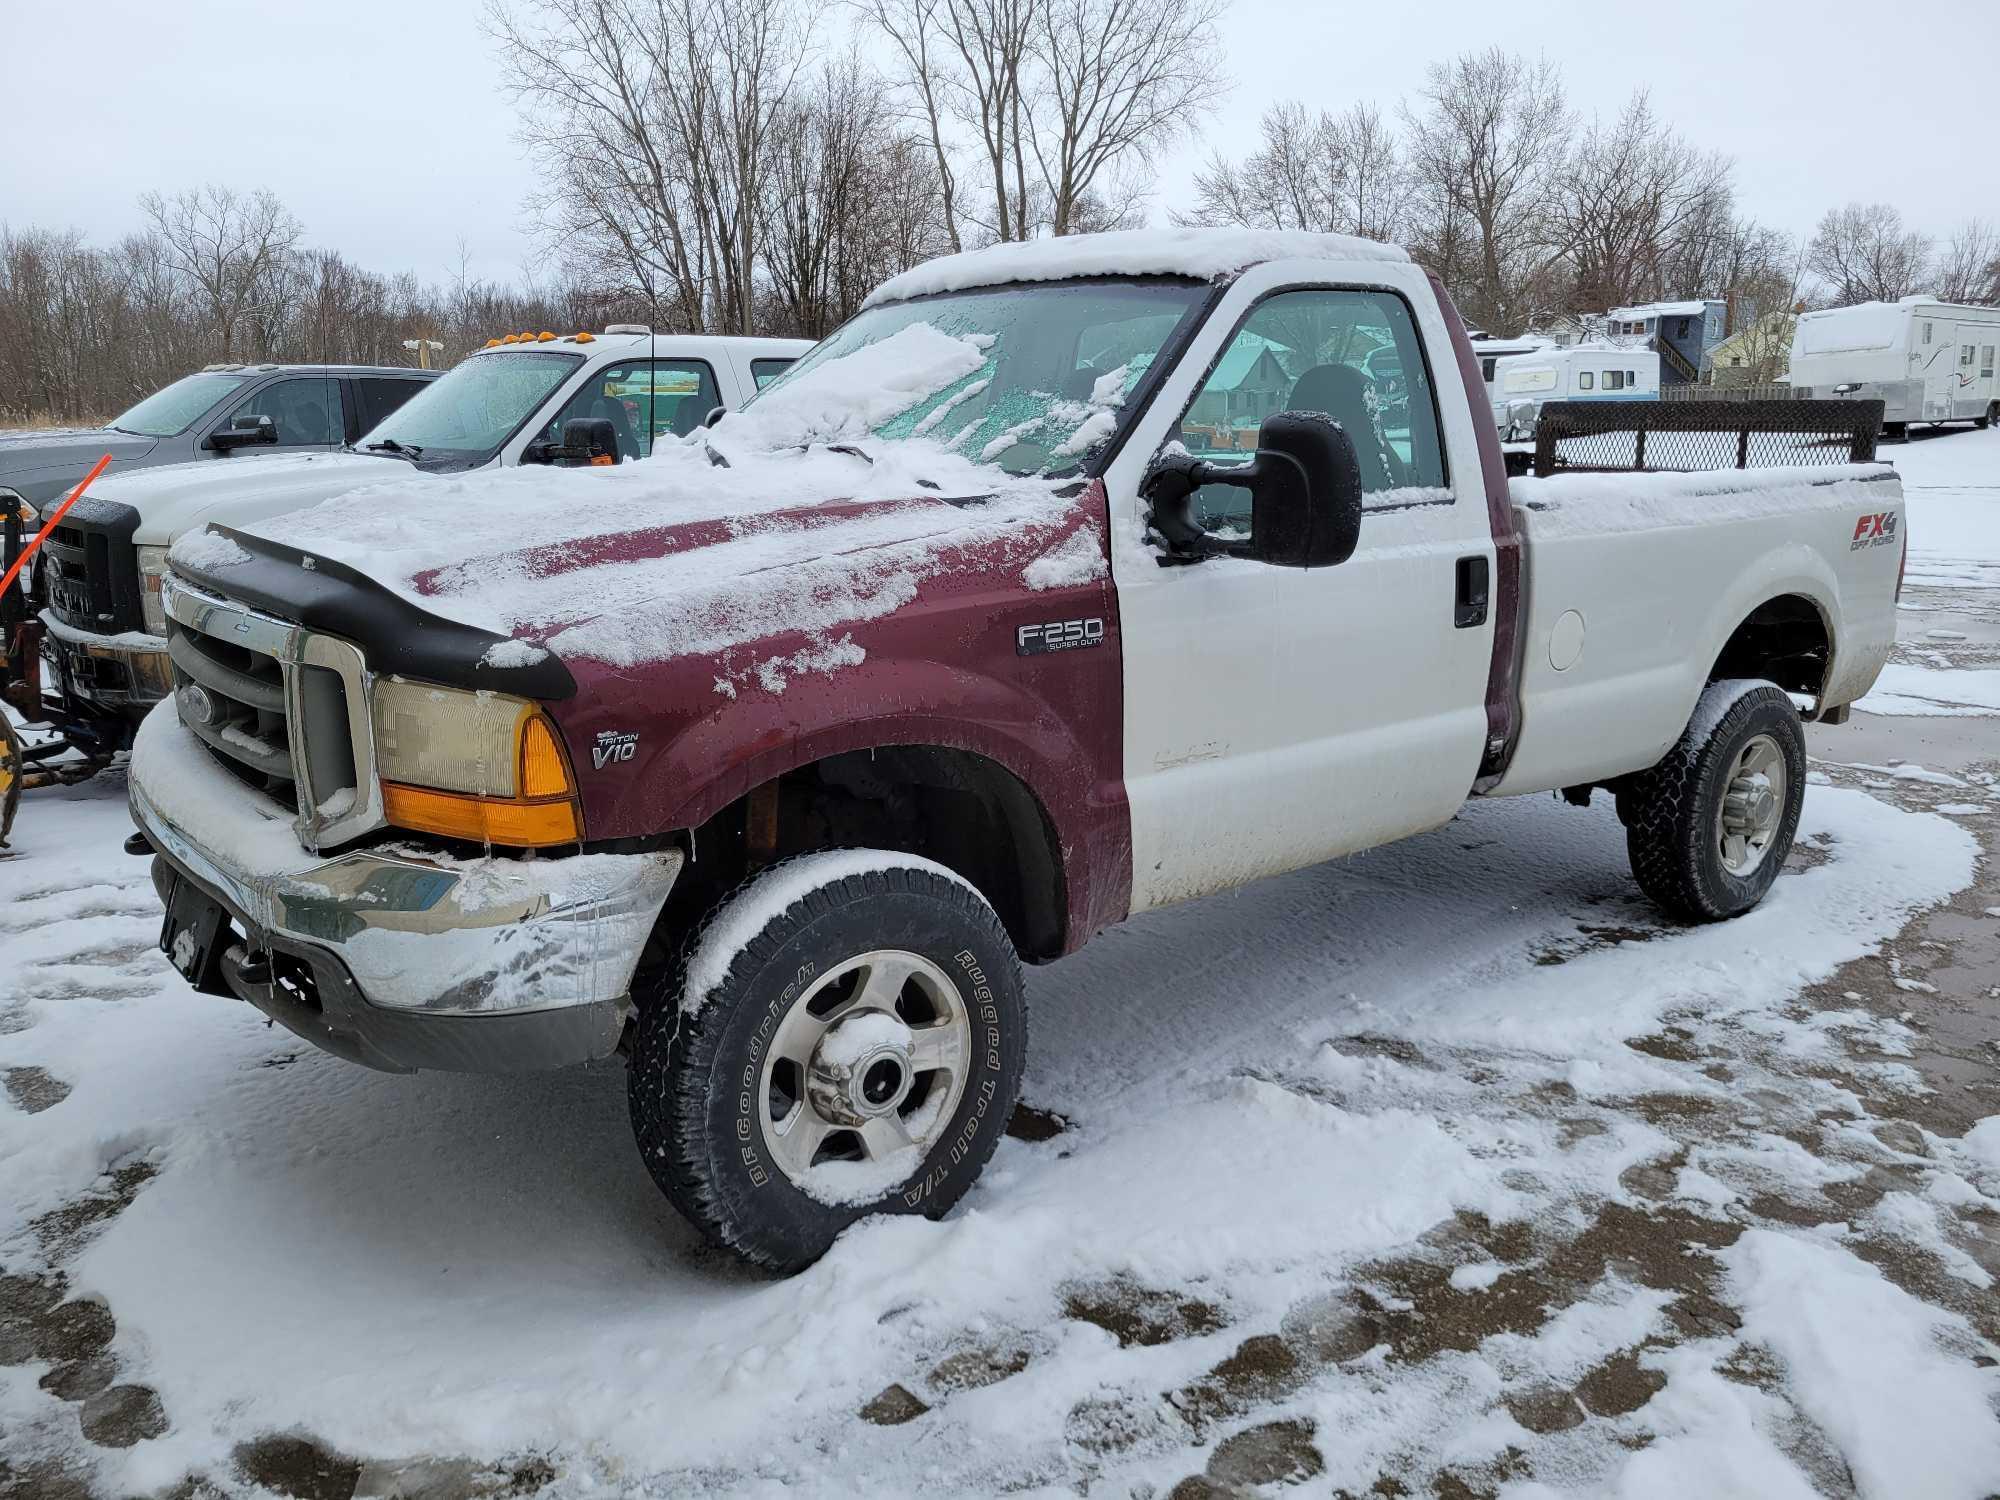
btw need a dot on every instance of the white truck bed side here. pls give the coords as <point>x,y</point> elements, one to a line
<point>1635,582</point>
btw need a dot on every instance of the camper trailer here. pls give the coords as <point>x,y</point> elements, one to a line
<point>1489,351</point>
<point>1586,372</point>
<point>1925,360</point>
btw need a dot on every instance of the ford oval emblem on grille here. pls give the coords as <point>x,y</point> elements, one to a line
<point>196,705</point>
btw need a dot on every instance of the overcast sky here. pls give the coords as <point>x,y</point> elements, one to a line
<point>379,124</point>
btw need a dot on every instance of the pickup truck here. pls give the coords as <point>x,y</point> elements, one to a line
<point>104,647</point>
<point>1063,582</point>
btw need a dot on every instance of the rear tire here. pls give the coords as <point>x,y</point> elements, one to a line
<point>860,1011</point>
<point>12,769</point>
<point>1710,826</point>
<point>1990,419</point>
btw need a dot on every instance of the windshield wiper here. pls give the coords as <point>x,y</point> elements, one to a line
<point>402,450</point>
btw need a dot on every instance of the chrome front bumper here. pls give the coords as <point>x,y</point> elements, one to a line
<point>127,672</point>
<point>400,938</point>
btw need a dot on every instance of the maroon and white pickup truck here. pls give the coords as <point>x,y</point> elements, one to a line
<point>1065,581</point>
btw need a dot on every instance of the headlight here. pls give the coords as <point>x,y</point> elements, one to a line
<point>152,568</point>
<point>477,766</point>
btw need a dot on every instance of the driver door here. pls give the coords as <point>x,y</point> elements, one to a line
<point>309,412</point>
<point>1278,717</point>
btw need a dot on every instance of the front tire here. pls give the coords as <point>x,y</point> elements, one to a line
<point>845,1037</point>
<point>1710,826</point>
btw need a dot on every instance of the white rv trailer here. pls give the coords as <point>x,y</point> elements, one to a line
<point>1927,361</point>
<point>1489,351</point>
<point>1583,372</point>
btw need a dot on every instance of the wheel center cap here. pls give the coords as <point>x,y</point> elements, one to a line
<point>861,1069</point>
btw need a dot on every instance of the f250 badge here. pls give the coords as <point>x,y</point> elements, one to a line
<point>1058,635</point>
<point>613,745</point>
<point>1874,531</point>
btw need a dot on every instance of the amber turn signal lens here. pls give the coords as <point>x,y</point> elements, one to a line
<point>481,820</point>
<point>543,770</point>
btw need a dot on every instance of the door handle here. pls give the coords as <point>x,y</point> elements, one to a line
<point>1469,605</point>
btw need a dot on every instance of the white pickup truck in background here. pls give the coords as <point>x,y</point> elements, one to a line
<point>105,650</point>
<point>1065,581</point>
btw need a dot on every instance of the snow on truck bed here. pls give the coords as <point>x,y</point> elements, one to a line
<point>1591,504</point>
<point>730,536</point>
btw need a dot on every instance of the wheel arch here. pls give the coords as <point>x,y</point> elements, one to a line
<point>1788,639</point>
<point>964,808</point>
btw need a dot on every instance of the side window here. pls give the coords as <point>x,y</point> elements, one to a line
<point>1614,380</point>
<point>1585,380</point>
<point>764,371</point>
<point>1486,369</point>
<point>1985,361</point>
<point>1927,333</point>
<point>306,410</point>
<point>1351,355</point>
<point>380,395</point>
<point>1965,355</point>
<point>643,400</point>
<point>1631,379</point>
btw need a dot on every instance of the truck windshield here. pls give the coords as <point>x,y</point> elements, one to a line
<point>179,406</point>
<point>1059,361</point>
<point>469,413</point>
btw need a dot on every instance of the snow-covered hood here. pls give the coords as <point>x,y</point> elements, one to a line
<point>669,558</point>
<point>786,518</point>
<point>238,491</point>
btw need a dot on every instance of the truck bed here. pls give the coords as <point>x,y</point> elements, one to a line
<point>1635,582</point>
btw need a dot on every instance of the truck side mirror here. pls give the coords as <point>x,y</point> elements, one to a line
<point>585,441</point>
<point>715,414</point>
<point>1305,497</point>
<point>245,430</point>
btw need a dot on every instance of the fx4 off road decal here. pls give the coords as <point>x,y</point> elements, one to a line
<point>1874,531</point>
<point>1058,635</point>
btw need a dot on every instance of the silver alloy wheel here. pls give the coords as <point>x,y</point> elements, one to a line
<point>870,1059</point>
<point>1753,805</point>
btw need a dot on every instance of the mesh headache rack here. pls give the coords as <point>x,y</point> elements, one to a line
<point>1609,437</point>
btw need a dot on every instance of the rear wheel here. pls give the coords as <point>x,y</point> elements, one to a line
<point>1709,827</point>
<point>1991,418</point>
<point>845,1037</point>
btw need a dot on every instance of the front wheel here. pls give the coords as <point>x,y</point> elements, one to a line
<point>1709,827</point>
<point>846,1037</point>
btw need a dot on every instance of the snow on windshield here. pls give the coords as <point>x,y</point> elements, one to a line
<point>759,529</point>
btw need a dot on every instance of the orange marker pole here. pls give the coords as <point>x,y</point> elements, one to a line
<point>61,511</point>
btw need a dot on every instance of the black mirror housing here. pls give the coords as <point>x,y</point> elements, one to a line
<point>1305,497</point>
<point>585,441</point>
<point>245,430</point>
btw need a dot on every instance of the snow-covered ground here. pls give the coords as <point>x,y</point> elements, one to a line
<point>1448,1169</point>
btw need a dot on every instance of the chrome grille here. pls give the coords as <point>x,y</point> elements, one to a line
<point>232,698</point>
<point>284,708</point>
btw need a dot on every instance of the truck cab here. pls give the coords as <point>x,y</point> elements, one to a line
<point>104,651</point>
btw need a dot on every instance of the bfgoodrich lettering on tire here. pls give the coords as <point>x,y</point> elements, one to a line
<point>845,1037</point>
<point>1709,827</point>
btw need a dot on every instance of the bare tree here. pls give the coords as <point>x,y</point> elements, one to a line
<point>911,27</point>
<point>1487,143</point>
<point>986,43</point>
<point>1865,254</point>
<point>1339,174</point>
<point>1116,78</point>
<point>850,200</point>
<point>1968,271</point>
<point>225,243</point>
<point>1632,191</point>
<point>652,117</point>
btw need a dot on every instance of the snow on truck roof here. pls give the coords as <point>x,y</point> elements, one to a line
<point>1200,253</point>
